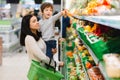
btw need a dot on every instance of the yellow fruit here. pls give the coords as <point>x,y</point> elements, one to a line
<point>83,54</point>
<point>87,28</point>
<point>90,58</point>
<point>86,52</point>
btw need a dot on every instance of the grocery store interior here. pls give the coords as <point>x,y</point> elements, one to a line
<point>88,43</point>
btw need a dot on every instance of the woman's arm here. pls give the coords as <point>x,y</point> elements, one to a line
<point>31,43</point>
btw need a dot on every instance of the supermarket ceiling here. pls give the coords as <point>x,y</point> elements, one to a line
<point>36,1</point>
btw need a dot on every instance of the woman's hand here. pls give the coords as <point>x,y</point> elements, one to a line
<point>61,39</point>
<point>54,50</point>
<point>61,64</point>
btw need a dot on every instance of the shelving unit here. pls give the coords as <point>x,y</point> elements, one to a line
<point>63,70</point>
<point>110,21</point>
<point>10,32</point>
<point>90,51</point>
<point>87,77</point>
<point>86,74</point>
<point>80,69</point>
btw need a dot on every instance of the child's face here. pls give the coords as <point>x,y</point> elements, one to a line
<point>47,12</point>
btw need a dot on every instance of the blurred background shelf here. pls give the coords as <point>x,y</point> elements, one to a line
<point>10,32</point>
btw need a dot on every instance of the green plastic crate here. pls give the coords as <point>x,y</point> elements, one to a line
<point>36,72</point>
<point>70,48</point>
<point>81,33</point>
<point>74,25</point>
<point>100,47</point>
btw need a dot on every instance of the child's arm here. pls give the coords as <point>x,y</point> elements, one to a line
<point>58,15</point>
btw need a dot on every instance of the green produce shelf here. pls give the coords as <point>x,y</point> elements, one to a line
<point>87,77</point>
<point>110,21</point>
<point>64,69</point>
<point>89,49</point>
<point>100,63</point>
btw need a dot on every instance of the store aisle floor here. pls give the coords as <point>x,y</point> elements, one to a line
<point>14,67</point>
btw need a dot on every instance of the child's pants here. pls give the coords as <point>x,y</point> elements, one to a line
<point>50,44</point>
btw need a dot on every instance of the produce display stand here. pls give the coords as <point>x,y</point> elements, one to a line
<point>110,21</point>
<point>71,63</point>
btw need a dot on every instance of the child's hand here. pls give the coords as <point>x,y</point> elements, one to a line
<point>54,50</point>
<point>63,12</point>
<point>68,13</point>
<point>61,64</point>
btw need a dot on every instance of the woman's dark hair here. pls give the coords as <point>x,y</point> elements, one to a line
<point>25,30</point>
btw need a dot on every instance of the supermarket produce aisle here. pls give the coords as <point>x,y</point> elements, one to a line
<point>14,67</point>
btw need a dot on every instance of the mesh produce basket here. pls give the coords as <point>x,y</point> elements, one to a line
<point>37,72</point>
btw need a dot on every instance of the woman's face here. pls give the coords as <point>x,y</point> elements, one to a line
<point>34,24</point>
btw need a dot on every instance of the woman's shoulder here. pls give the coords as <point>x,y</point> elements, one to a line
<point>29,38</point>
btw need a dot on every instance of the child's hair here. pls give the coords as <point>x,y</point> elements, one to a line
<point>45,5</point>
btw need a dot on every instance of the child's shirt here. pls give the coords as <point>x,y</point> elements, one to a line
<point>47,27</point>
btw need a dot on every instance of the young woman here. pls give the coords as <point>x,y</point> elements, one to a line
<point>31,39</point>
